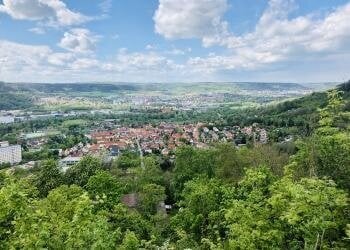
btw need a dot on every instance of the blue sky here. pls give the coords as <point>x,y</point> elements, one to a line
<point>174,40</point>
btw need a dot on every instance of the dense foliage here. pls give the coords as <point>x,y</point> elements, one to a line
<point>11,101</point>
<point>222,197</point>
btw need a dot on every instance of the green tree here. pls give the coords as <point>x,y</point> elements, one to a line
<point>191,163</point>
<point>150,197</point>
<point>286,214</point>
<point>200,215</point>
<point>63,220</point>
<point>80,173</point>
<point>15,197</point>
<point>229,163</point>
<point>123,219</point>
<point>105,189</point>
<point>332,157</point>
<point>250,222</point>
<point>326,153</point>
<point>312,212</point>
<point>48,177</point>
<point>130,242</point>
<point>128,160</point>
<point>151,173</point>
<point>333,115</point>
<point>264,155</point>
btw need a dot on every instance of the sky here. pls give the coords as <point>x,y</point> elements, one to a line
<point>174,40</point>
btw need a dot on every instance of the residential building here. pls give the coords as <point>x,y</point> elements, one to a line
<point>4,144</point>
<point>67,162</point>
<point>10,153</point>
<point>7,119</point>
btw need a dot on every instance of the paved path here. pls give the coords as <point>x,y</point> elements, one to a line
<point>141,153</point>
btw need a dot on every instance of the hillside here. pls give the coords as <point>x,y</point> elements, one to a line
<point>292,117</point>
<point>141,96</point>
<point>264,86</point>
<point>301,114</point>
<point>11,101</point>
<point>65,87</point>
<point>174,87</point>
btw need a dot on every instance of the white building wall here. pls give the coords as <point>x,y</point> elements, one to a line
<point>11,154</point>
<point>7,119</point>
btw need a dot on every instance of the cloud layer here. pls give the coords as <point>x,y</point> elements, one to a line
<point>79,41</point>
<point>277,39</point>
<point>54,12</point>
<point>279,45</point>
<point>189,18</point>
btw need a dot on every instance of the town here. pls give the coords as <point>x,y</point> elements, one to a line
<point>162,139</point>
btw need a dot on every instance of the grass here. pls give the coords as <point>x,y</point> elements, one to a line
<point>75,122</point>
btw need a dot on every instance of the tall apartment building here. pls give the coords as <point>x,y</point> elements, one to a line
<point>10,153</point>
<point>7,119</point>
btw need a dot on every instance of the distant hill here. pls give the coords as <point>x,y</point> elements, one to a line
<point>301,113</point>
<point>321,86</point>
<point>266,86</point>
<point>310,102</point>
<point>5,87</point>
<point>11,101</point>
<point>66,87</point>
<point>81,87</point>
<point>345,87</point>
<point>20,95</point>
<point>115,87</point>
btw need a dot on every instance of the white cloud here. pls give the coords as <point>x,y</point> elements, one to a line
<point>26,10</point>
<point>173,51</point>
<point>60,59</point>
<point>143,61</point>
<point>150,47</point>
<point>22,55</point>
<point>105,6</point>
<point>20,62</point>
<point>279,39</point>
<point>37,30</point>
<point>32,62</point>
<point>85,63</point>
<point>50,12</point>
<point>310,47</point>
<point>189,18</point>
<point>177,52</point>
<point>79,41</point>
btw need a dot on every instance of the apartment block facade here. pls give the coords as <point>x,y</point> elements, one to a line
<point>10,153</point>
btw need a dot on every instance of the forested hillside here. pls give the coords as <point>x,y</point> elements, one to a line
<point>297,117</point>
<point>269,86</point>
<point>221,197</point>
<point>65,87</point>
<point>10,101</point>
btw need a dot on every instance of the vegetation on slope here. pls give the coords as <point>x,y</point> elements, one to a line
<point>11,101</point>
<point>65,87</point>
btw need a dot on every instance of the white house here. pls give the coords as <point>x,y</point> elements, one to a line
<point>67,162</point>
